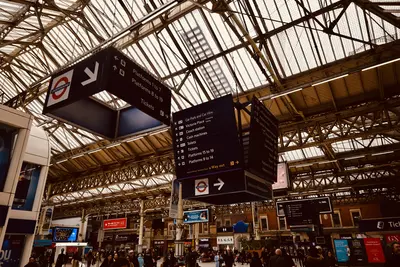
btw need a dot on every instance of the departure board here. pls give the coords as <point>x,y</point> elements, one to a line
<point>206,139</point>
<point>263,147</point>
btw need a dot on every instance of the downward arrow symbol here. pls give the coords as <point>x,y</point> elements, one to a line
<point>220,184</point>
<point>92,74</point>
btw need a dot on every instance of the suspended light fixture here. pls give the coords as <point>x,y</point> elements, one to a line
<point>342,76</point>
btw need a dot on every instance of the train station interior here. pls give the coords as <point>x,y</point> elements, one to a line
<point>173,128</point>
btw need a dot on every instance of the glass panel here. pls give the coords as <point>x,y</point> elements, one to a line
<point>336,219</point>
<point>356,217</point>
<point>264,224</point>
<point>282,223</point>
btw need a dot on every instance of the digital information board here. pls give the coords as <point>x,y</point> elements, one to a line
<point>206,140</point>
<point>209,157</point>
<point>263,142</point>
<point>324,205</point>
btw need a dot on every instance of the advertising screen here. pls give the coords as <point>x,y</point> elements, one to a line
<point>65,234</point>
<point>7,135</point>
<point>374,250</point>
<point>120,223</point>
<point>26,187</point>
<point>342,250</point>
<point>195,216</point>
<point>11,251</point>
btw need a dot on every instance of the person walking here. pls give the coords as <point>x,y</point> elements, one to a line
<point>313,259</point>
<point>61,259</point>
<point>229,259</point>
<point>256,261</point>
<point>32,263</point>
<point>108,261</point>
<point>330,260</point>
<point>140,260</point>
<point>217,259</point>
<point>394,258</point>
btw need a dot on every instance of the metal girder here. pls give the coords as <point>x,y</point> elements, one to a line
<point>362,121</point>
<point>161,204</point>
<point>128,173</point>
<point>355,178</point>
<point>375,9</point>
<point>120,206</point>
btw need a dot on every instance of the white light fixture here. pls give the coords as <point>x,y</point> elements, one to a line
<point>157,13</point>
<point>134,139</point>
<point>342,76</point>
<point>356,157</point>
<point>113,145</point>
<point>94,151</point>
<point>61,161</point>
<point>301,165</point>
<point>382,64</point>
<point>286,93</point>
<point>327,161</point>
<point>158,132</point>
<point>382,153</point>
<point>72,244</point>
<point>77,156</point>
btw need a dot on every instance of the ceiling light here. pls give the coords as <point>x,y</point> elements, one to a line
<point>379,65</point>
<point>382,153</point>
<point>134,139</point>
<point>61,161</point>
<point>157,13</point>
<point>94,151</point>
<point>113,145</point>
<point>77,156</point>
<point>342,76</point>
<point>356,157</point>
<point>286,92</point>
<point>158,132</point>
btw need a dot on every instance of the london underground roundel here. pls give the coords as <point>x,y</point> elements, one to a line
<point>60,88</point>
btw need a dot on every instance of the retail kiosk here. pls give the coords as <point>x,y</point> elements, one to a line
<point>24,164</point>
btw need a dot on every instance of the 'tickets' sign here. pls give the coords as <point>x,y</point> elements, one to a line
<point>112,224</point>
<point>374,250</point>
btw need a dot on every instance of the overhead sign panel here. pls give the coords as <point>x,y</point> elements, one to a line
<point>379,224</point>
<point>112,224</point>
<point>205,139</point>
<point>322,205</point>
<point>210,159</point>
<point>196,216</point>
<point>69,96</point>
<point>263,142</point>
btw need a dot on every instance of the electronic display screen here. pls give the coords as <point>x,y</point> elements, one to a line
<point>65,234</point>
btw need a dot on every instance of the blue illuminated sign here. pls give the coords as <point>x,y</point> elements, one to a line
<point>342,250</point>
<point>195,216</point>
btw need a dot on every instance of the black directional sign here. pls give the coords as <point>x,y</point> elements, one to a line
<point>209,157</point>
<point>263,142</point>
<point>206,140</point>
<point>138,87</point>
<point>304,211</point>
<point>69,96</point>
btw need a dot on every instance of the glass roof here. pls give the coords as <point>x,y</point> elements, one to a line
<point>209,43</point>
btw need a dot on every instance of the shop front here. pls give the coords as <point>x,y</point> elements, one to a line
<point>225,242</point>
<point>204,244</point>
<point>159,247</point>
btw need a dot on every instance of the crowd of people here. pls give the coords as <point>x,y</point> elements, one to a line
<point>279,257</point>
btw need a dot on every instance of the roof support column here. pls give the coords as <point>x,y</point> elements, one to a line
<point>141,226</point>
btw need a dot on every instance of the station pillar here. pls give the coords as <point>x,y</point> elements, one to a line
<point>141,227</point>
<point>179,244</point>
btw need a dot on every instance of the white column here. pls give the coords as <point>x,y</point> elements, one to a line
<point>254,212</point>
<point>12,176</point>
<point>196,234</point>
<point>141,227</point>
<point>26,253</point>
<point>81,227</point>
<point>179,245</point>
